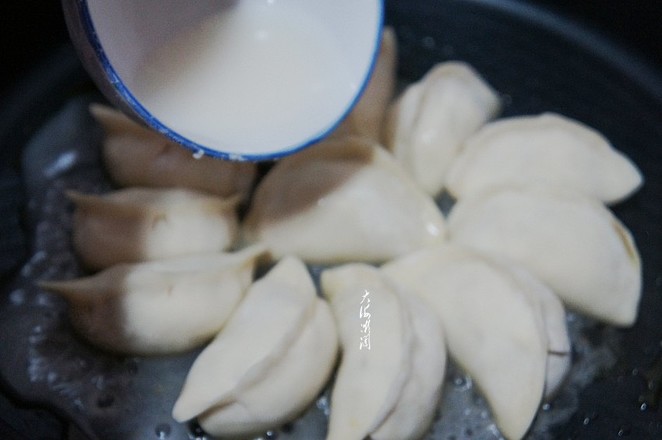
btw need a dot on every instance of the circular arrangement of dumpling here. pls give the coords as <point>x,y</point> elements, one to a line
<point>528,235</point>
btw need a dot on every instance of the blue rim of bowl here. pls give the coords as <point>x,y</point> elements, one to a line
<point>198,149</point>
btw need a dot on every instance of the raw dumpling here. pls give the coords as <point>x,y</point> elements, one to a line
<point>494,328</point>
<point>137,156</point>
<point>342,200</point>
<point>270,361</point>
<point>427,124</point>
<point>416,406</point>
<point>570,241</point>
<point>160,306</point>
<point>367,116</point>
<point>559,350</point>
<point>548,149</point>
<point>140,224</point>
<point>389,381</point>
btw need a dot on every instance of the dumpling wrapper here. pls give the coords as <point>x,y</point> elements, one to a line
<point>426,125</point>
<point>494,330</point>
<point>417,404</point>
<point>342,200</point>
<point>270,361</point>
<point>367,116</point>
<point>548,149</point>
<point>571,242</point>
<point>373,370</point>
<point>158,307</point>
<point>142,224</point>
<point>135,155</point>
<point>559,349</point>
<point>389,379</point>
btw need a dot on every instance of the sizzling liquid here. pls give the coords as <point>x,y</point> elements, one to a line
<point>255,76</point>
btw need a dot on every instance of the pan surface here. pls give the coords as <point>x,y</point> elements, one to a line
<point>538,61</point>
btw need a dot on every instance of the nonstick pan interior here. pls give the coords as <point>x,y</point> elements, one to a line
<point>537,60</point>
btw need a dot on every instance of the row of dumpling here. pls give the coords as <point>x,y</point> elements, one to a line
<point>492,286</point>
<point>529,227</point>
<point>346,200</point>
<point>158,247</point>
<point>164,285</point>
<point>529,231</point>
<point>532,190</point>
<point>169,276</point>
<point>529,189</point>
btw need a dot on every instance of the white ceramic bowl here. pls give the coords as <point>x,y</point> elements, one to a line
<point>114,38</point>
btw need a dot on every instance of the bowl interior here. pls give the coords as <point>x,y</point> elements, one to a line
<point>243,80</point>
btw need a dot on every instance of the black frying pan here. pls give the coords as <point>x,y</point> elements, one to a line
<point>539,60</point>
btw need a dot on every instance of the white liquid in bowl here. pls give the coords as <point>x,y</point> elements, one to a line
<point>256,78</point>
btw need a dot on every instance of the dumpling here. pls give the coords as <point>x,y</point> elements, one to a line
<point>342,200</point>
<point>427,124</point>
<point>494,328</point>
<point>140,224</point>
<point>137,156</point>
<point>161,306</point>
<point>366,119</point>
<point>570,241</point>
<point>559,349</point>
<point>389,380</point>
<point>270,361</point>
<point>416,406</point>
<point>547,149</point>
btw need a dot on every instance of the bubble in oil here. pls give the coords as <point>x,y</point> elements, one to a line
<point>196,432</point>
<point>63,163</point>
<point>623,431</point>
<point>162,431</point>
<point>52,377</point>
<point>492,428</point>
<point>653,394</point>
<point>46,300</point>
<point>269,435</point>
<point>463,383</point>
<point>324,405</point>
<point>17,297</point>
